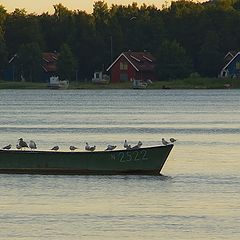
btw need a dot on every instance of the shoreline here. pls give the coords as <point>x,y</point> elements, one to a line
<point>188,83</point>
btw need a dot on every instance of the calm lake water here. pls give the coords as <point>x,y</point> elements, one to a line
<point>198,197</point>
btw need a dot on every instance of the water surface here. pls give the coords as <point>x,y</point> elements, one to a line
<point>198,197</point>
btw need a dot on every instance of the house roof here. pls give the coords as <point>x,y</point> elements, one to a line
<point>141,61</point>
<point>50,57</point>
<point>49,61</point>
<point>231,61</point>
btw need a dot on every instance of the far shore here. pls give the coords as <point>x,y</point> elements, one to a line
<point>188,83</point>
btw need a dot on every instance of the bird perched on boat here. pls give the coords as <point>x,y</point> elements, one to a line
<point>18,147</point>
<point>172,140</point>
<point>110,147</point>
<point>55,148</point>
<point>126,145</point>
<point>32,144</point>
<point>7,147</point>
<point>139,144</point>
<point>90,148</point>
<point>164,142</point>
<point>22,144</point>
<point>73,148</point>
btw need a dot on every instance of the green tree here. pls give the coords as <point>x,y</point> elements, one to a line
<point>210,57</point>
<point>3,52</point>
<point>3,15</point>
<point>29,61</point>
<point>66,63</point>
<point>172,61</point>
<point>22,28</point>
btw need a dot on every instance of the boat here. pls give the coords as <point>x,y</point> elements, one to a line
<point>55,83</point>
<point>142,161</point>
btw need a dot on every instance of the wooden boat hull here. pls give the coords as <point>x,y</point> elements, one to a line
<point>143,161</point>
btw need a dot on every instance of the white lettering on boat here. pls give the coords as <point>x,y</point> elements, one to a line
<point>130,156</point>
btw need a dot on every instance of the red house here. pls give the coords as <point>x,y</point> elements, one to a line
<point>133,65</point>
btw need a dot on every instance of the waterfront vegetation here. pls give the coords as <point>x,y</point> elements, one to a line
<point>185,37</point>
<point>187,83</point>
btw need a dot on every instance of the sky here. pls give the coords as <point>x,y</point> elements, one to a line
<point>39,6</point>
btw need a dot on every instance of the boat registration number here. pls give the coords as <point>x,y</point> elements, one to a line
<point>131,156</point>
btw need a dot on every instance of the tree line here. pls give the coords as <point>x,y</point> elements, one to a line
<point>186,37</point>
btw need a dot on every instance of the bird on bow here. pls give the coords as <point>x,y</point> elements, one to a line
<point>139,144</point>
<point>172,140</point>
<point>55,148</point>
<point>90,148</point>
<point>126,145</point>
<point>164,142</point>
<point>73,148</point>
<point>18,147</point>
<point>32,144</point>
<point>8,147</point>
<point>22,144</point>
<point>110,147</point>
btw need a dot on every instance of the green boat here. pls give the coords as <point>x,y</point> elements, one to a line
<point>142,161</point>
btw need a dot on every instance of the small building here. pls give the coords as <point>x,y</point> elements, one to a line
<point>133,65</point>
<point>232,67</point>
<point>49,64</point>
<point>229,56</point>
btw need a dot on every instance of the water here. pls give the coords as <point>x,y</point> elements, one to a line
<point>198,197</point>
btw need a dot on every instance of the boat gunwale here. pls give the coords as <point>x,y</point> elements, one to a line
<point>28,151</point>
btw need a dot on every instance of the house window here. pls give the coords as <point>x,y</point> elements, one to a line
<point>238,65</point>
<point>123,66</point>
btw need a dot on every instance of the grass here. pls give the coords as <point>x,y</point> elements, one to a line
<point>197,83</point>
<point>188,83</point>
<point>22,85</point>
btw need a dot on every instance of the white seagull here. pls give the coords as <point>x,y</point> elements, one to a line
<point>137,146</point>
<point>172,140</point>
<point>7,147</point>
<point>22,144</point>
<point>72,148</point>
<point>126,145</point>
<point>110,147</point>
<point>90,148</point>
<point>18,147</point>
<point>32,144</point>
<point>55,148</point>
<point>164,142</point>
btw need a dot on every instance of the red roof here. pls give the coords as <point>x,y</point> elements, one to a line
<point>50,61</point>
<point>141,61</point>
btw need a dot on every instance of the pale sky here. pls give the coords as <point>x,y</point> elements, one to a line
<point>39,6</point>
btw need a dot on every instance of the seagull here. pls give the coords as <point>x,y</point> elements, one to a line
<point>172,140</point>
<point>18,147</point>
<point>137,146</point>
<point>22,144</point>
<point>164,142</point>
<point>72,148</point>
<point>89,148</point>
<point>110,147</point>
<point>7,147</point>
<point>32,144</point>
<point>55,148</point>
<point>126,145</point>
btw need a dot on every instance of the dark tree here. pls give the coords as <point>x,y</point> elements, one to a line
<point>172,61</point>
<point>29,59</point>
<point>66,63</point>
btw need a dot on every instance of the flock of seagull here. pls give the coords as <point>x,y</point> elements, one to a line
<point>32,145</point>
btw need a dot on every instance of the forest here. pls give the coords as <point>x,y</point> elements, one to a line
<point>185,37</point>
